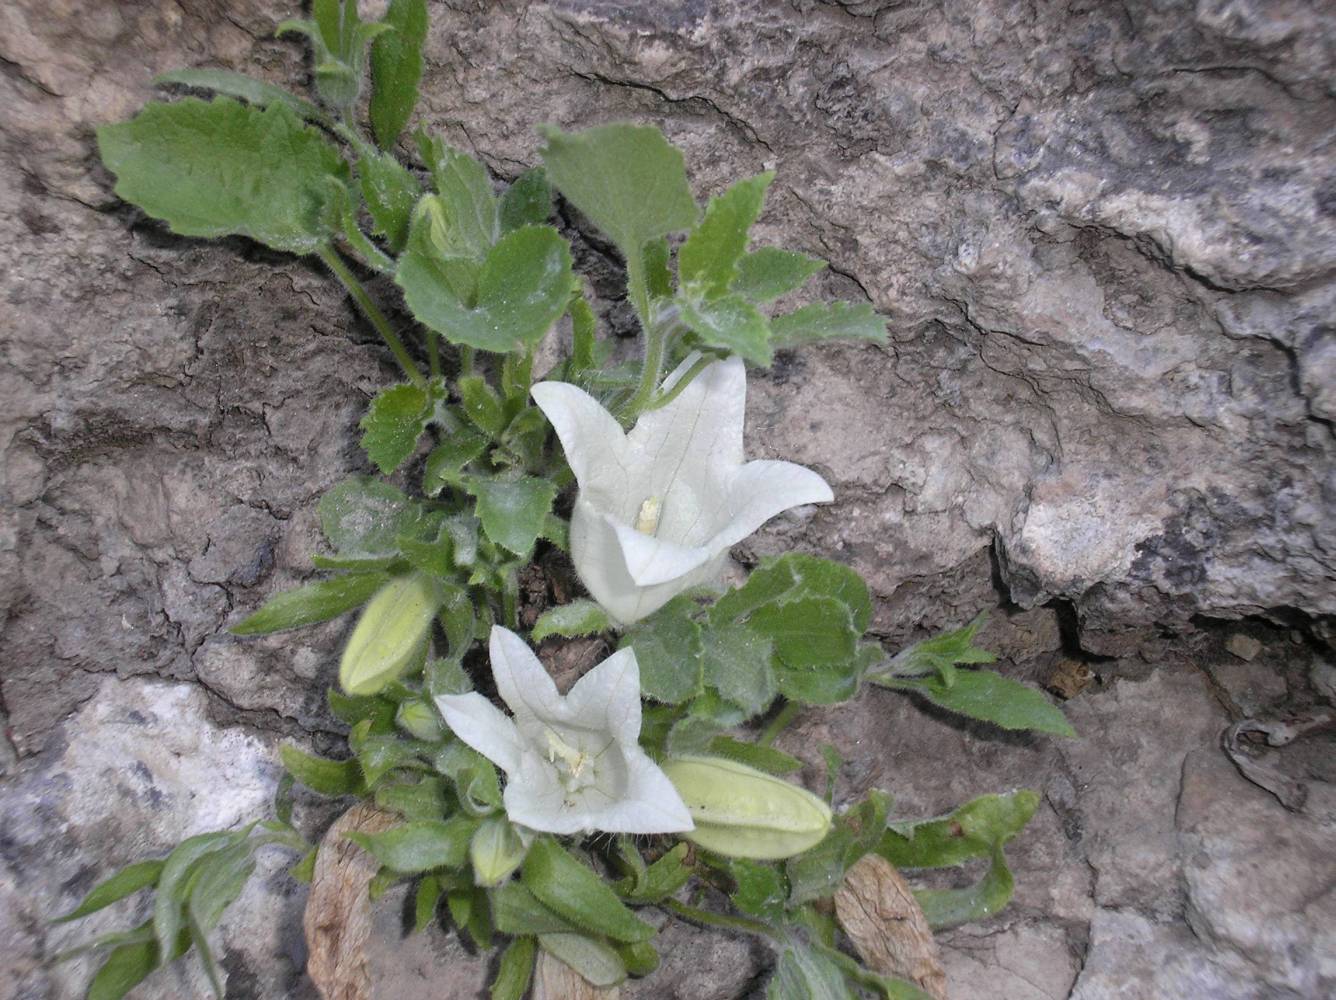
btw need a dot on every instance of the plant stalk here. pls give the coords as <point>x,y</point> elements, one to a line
<point>371,311</point>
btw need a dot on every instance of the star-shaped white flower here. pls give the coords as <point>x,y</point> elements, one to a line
<point>573,764</point>
<point>660,506</point>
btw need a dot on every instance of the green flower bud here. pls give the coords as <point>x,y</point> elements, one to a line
<point>419,719</point>
<point>496,851</point>
<point>745,813</point>
<point>394,629</point>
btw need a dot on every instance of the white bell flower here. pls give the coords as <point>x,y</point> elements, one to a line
<point>573,764</point>
<point>660,506</point>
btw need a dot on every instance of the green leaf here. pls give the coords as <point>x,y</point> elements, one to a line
<point>527,202</point>
<point>658,278</point>
<point>476,783</point>
<point>316,602</point>
<point>222,81</point>
<point>383,753</point>
<point>971,831</point>
<point>580,617</point>
<point>396,68</point>
<point>422,800</point>
<point>328,777</point>
<point>766,759</point>
<point>391,428</point>
<point>516,910</point>
<point>350,711</point>
<point>626,179</point>
<point>990,697</point>
<point>571,890</point>
<point>125,882</point>
<point>421,845</point>
<point>802,974</point>
<point>425,902</point>
<point>736,661</point>
<point>708,259</point>
<point>481,404</point>
<point>731,323</point>
<point>808,632</point>
<point>219,879</point>
<point>941,653</point>
<point>390,192</point>
<point>759,889</point>
<point>446,462</point>
<point>472,217</point>
<point>512,511</point>
<point>600,965</point>
<point>523,288</point>
<point>796,575</point>
<point>304,870</point>
<point>769,272</point>
<point>362,518</point>
<point>952,907</point>
<point>668,649</point>
<point>817,873</point>
<point>514,970</point>
<point>827,321</point>
<point>174,882</point>
<point>223,168</point>
<point>124,969</point>
<point>663,878</point>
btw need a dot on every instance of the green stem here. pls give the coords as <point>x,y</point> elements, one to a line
<point>722,920</point>
<point>664,398</point>
<point>656,344</point>
<point>466,355</point>
<point>373,314</point>
<point>777,725</point>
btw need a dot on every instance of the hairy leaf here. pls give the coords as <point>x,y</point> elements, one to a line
<point>527,202</point>
<point>708,259</point>
<point>315,602</point>
<point>513,511</point>
<point>579,617</point>
<point>731,323</point>
<point>573,891</point>
<point>396,68</point>
<point>328,777</point>
<point>223,168</point>
<point>769,272</point>
<point>668,648</point>
<point>828,321</point>
<point>990,697</point>
<point>421,845</point>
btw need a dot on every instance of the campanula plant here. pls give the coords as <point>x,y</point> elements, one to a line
<point>652,782</point>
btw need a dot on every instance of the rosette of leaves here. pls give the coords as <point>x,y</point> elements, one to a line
<point>430,550</point>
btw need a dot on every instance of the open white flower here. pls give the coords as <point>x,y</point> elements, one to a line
<point>572,763</point>
<point>659,507</point>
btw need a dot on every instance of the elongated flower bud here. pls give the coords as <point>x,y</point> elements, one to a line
<point>745,813</point>
<point>393,629</point>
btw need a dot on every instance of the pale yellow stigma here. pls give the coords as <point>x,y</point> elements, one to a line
<point>575,760</point>
<point>647,521</point>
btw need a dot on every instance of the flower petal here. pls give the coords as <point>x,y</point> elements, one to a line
<point>521,679</point>
<point>484,727</point>
<point>608,697</point>
<point>535,798</point>
<point>597,553</point>
<point>648,804</point>
<point>650,560</point>
<point>760,490</point>
<point>595,445</point>
<point>701,428</point>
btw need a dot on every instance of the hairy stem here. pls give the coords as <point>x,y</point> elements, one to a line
<point>372,312</point>
<point>778,724</point>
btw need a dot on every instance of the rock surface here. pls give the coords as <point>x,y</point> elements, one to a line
<point>1106,239</point>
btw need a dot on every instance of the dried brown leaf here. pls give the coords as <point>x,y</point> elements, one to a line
<point>883,920</point>
<point>338,909</point>
<point>553,979</point>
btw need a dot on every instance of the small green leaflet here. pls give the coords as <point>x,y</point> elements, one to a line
<point>580,617</point>
<point>514,970</point>
<point>707,262</point>
<point>668,649</point>
<point>827,321</point>
<point>390,192</point>
<point>513,511</point>
<point>731,323</point>
<point>527,202</point>
<point>393,423</point>
<point>316,602</point>
<point>125,882</point>
<point>628,180</point>
<point>523,289</point>
<point>421,845</point>
<point>223,168</point>
<point>328,777</point>
<point>572,891</point>
<point>396,68</point>
<point>982,694</point>
<point>472,216</point>
<point>222,81</point>
<point>769,272</point>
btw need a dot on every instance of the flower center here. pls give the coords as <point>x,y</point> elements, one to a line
<point>647,520</point>
<point>574,767</point>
